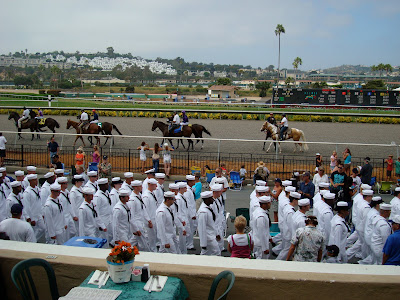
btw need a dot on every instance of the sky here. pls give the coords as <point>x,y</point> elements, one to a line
<point>323,33</point>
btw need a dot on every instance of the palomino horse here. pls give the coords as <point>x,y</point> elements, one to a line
<point>185,132</point>
<point>292,133</point>
<point>92,129</point>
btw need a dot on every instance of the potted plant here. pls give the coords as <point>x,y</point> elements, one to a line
<point>120,262</point>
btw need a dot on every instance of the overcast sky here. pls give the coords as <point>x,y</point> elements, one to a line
<point>323,33</point>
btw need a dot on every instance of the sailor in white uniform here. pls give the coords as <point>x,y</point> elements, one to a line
<point>395,202</point>
<point>381,231</point>
<point>17,229</point>
<point>261,224</point>
<point>102,201</point>
<point>209,237</point>
<point>326,214</point>
<point>323,187</point>
<point>254,202</point>
<point>45,189</point>
<point>54,216</point>
<point>68,209</point>
<point>159,191</point>
<point>89,222</point>
<point>116,184</point>
<point>150,175</point>
<point>6,183</point>
<point>184,213</point>
<point>59,172</point>
<point>19,176</point>
<point>76,197</point>
<point>126,185</point>
<point>29,170</point>
<point>177,211</point>
<point>165,220</point>
<point>150,201</point>
<point>190,197</point>
<point>92,183</point>
<point>122,219</point>
<point>3,202</point>
<point>258,183</point>
<point>340,230</point>
<point>16,197</point>
<point>299,217</point>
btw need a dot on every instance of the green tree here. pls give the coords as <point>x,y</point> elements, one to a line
<point>110,51</point>
<point>289,81</point>
<point>375,85</point>
<point>56,71</point>
<point>278,31</point>
<point>263,87</point>
<point>224,81</point>
<point>207,74</point>
<point>23,80</point>
<point>388,68</point>
<point>296,63</point>
<point>270,68</point>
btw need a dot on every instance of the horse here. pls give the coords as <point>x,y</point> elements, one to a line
<point>197,131</point>
<point>107,129</point>
<point>292,133</point>
<point>185,132</point>
<point>29,124</point>
<point>92,129</point>
<point>48,122</point>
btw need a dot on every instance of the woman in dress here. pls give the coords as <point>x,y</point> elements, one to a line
<point>142,153</point>
<point>167,159</point>
<point>333,160</point>
<point>96,154</point>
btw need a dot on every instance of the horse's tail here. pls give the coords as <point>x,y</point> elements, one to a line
<point>303,138</point>
<point>115,127</point>
<point>206,131</point>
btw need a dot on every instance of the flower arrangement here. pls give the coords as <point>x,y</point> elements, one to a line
<point>123,252</point>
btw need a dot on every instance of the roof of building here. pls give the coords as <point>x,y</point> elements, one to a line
<point>223,88</point>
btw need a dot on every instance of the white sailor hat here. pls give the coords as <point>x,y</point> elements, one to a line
<point>124,192</point>
<point>385,206</point>
<point>367,192</point>
<point>261,189</point>
<point>151,171</point>
<point>62,180</point>
<point>295,195</point>
<point>323,184</point>
<point>377,198</point>
<point>206,194</point>
<point>48,175</point>
<point>173,186</point>
<point>304,202</point>
<point>323,192</point>
<point>365,186</point>
<point>190,177</point>
<point>102,181</point>
<point>55,187</point>
<point>261,182</point>
<point>152,181</point>
<point>264,199</point>
<point>19,173</point>
<point>15,183</point>
<point>3,169</point>
<point>160,175</point>
<point>59,171</point>
<point>92,173</point>
<point>329,196</point>
<point>286,183</point>
<point>296,174</point>
<point>342,204</point>
<point>88,191</point>
<point>169,194</point>
<point>182,185</point>
<point>116,180</point>
<point>31,176</point>
<point>290,189</point>
<point>397,189</point>
<point>31,168</point>
<point>78,177</point>
<point>396,219</point>
<point>128,174</point>
<point>317,154</point>
<point>136,183</point>
<point>216,187</point>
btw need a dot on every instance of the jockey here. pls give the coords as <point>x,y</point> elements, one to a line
<point>25,116</point>
<point>285,125</point>
<point>84,119</point>
<point>39,115</point>
<point>95,117</point>
<point>176,121</point>
<point>185,119</point>
<point>271,119</point>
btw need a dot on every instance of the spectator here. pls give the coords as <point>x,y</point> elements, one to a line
<point>333,160</point>
<point>397,165</point>
<point>197,190</point>
<point>278,188</point>
<point>389,167</point>
<point>337,179</point>
<point>167,159</point>
<point>307,188</point>
<point>307,242</point>
<point>240,244</point>
<point>271,119</point>
<point>156,156</point>
<point>17,229</point>
<point>96,155</point>
<point>105,168</point>
<point>57,164</point>
<point>223,168</point>
<point>261,172</point>
<point>320,177</point>
<point>318,160</point>
<point>53,148</point>
<point>142,153</point>
<point>336,168</point>
<point>242,172</point>
<point>347,160</point>
<point>3,143</point>
<point>391,250</point>
<point>80,158</point>
<point>366,171</point>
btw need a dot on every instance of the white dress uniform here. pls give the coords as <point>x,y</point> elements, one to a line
<point>207,230</point>
<point>381,231</point>
<point>287,233</point>
<point>176,210</point>
<point>114,196</point>
<point>18,230</point>
<point>44,192</point>
<point>324,221</point>
<point>54,220</point>
<point>17,199</point>
<point>69,214</point>
<point>3,204</point>
<point>299,220</point>
<point>92,185</point>
<point>89,221</point>
<point>184,216</point>
<point>219,212</point>
<point>189,195</point>
<point>317,204</point>
<point>368,228</point>
<point>261,233</point>
<point>159,192</point>
<point>127,186</point>
<point>363,209</point>
<point>76,197</point>
<point>35,210</point>
<point>145,185</point>
<point>338,236</point>
<point>140,219</point>
<point>102,202</point>
<point>24,185</point>
<point>225,183</point>
<point>165,220</point>
<point>354,210</point>
<point>150,201</point>
<point>122,223</point>
<point>6,186</point>
<point>395,202</point>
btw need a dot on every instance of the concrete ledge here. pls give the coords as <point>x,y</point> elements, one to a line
<point>254,278</point>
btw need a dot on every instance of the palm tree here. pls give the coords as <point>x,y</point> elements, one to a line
<point>388,68</point>
<point>296,63</point>
<point>381,68</point>
<point>278,30</point>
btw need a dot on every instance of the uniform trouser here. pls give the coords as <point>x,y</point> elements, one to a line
<point>60,238</point>
<point>357,247</point>
<point>182,239</point>
<point>285,249</point>
<point>174,247</point>
<point>352,238</point>
<point>369,258</point>
<point>212,248</point>
<point>259,253</point>
<point>108,235</point>
<point>39,229</point>
<point>221,242</point>
<point>189,237</point>
<point>377,255</point>
<point>277,238</point>
<point>152,237</point>
<point>141,242</point>
<point>71,229</point>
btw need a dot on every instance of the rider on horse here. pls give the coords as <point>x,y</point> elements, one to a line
<point>176,122</point>
<point>285,125</point>
<point>39,114</point>
<point>185,119</point>
<point>25,116</point>
<point>271,119</point>
<point>95,117</point>
<point>84,120</point>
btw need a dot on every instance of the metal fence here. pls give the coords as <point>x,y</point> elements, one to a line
<point>123,160</point>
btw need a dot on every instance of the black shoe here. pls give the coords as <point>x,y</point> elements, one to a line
<point>191,249</point>
<point>224,250</point>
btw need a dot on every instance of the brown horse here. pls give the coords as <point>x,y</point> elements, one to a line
<point>29,124</point>
<point>292,133</point>
<point>107,129</point>
<point>93,129</point>
<point>185,132</point>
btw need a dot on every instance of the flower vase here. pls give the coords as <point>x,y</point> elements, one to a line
<point>120,272</point>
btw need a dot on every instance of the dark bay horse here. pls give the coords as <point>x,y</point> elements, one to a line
<point>93,129</point>
<point>29,124</point>
<point>185,132</point>
<point>48,122</point>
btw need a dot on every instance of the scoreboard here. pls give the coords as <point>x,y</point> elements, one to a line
<point>336,97</point>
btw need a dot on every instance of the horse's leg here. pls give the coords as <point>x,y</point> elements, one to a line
<point>19,134</point>
<point>106,141</point>
<point>266,137</point>
<point>172,145</point>
<point>181,140</point>
<point>33,134</point>
<point>97,141</point>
